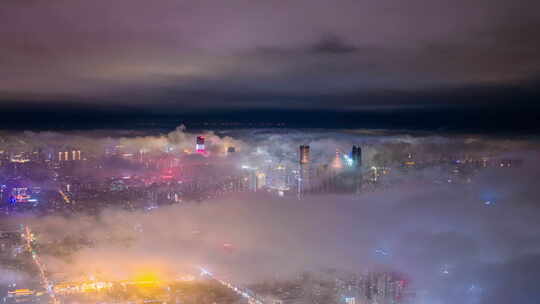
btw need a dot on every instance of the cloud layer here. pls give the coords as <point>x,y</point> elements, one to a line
<point>454,246</point>
<point>451,244</point>
<point>271,54</point>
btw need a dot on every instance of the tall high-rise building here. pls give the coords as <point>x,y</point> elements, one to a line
<point>337,163</point>
<point>304,154</point>
<point>199,145</point>
<point>356,156</point>
<point>261,180</point>
<point>69,155</point>
<point>304,173</point>
<point>278,178</point>
<point>345,179</point>
<point>256,179</point>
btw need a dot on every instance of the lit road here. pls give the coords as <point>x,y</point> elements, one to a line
<point>243,292</point>
<point>29,237</point>
<point>64,196</point>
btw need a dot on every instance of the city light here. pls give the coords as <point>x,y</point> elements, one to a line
<point>95,219</point>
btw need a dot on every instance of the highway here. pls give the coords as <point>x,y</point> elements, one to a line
<point>243,292</point>
<point>45,282</point>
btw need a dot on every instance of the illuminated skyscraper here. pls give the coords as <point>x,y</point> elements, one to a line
<point>278,178</point>
<point>69,155</point>
<point>304,154</point>
<point>256,180</point>
<point>345,177</point>
<point>337,163</point>
<point>261,180</point>
<point>76,155</point>
<point>199,146</point>
<point>356,156</point>
<point>303,176</point>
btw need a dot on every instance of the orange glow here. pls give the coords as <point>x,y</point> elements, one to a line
<point>146,276</point>
<point>336,163</point>
<point>21,292</point>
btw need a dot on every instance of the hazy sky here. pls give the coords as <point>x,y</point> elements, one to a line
<point>239,54</point>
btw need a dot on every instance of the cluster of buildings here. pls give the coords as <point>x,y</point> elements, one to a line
<point>343,174</point>
<point>368,288</point>
<point>71,179</point>
<point>68,178</point>
<point>348,173</point>
<point>57,179</point>
<point>125,292</point>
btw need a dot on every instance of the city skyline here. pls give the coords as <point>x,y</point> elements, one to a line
<point>333,216</point>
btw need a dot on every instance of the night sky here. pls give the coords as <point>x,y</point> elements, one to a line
<point>372,63</point>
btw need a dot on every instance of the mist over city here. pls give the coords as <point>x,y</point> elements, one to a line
<point>269,152</point>
<point>269,216</point>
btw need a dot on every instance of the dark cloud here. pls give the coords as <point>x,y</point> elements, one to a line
<point>333,45</point>
<point>182,52</point>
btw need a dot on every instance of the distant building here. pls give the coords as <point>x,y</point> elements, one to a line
<point>356,156</point>
<point>231,150</point>
<point>257,180</point>
<point>304,154</point>
<point>340,177</point>
<point>409,161</point>
<point>20,195</point>
<point>278,178</point>
<point>69,155</point>
<point>261,180</point>
<point>337,163</point>
<point>199,145</point>
<point>304,183</point>
<point>509,163</point>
